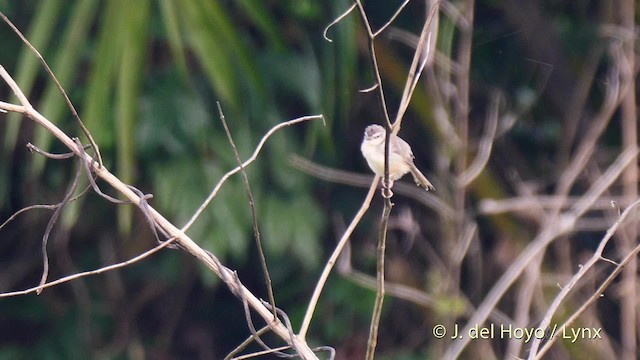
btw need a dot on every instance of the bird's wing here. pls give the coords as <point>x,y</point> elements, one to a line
<point>400,146</point>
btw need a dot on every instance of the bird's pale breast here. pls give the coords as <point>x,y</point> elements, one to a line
<point>375,158</point>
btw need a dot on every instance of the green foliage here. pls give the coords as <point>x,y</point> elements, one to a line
<point>347,302</point>
<point>132,115</point>
<point>145,82</point>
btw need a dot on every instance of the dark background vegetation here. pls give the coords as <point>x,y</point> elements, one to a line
<point>145,77</point>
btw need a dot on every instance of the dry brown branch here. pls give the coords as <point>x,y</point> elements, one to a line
<point>182,239</point>
<point>594,297</point>
<point>556,222</point>
<point>58,85</point>
<point>261,353</point>
<point>337,20</point>
<point>41,206</point>
<point>555,227</point>
<point>420,58</point>
<point>627,237</point>
<point>54,218</point>
<point>374,67</point>
<point>597,256</point>
<point>524,300</point>
<point>391,20</point>
<point>484,150</point>
<point>252,208</point>
<point>246,343</point>
<point>372,342</point>
<point>246,163</point>
<point>334,257</point>
<point>527,203</point>
<point>101,270</point>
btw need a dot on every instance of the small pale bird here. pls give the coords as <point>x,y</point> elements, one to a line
<point>400,156</point>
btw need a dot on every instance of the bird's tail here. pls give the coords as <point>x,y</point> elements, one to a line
<point>420,179</point>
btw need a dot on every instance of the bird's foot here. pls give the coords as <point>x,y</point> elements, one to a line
<point>386,191</point>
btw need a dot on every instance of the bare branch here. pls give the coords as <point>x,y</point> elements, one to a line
<point>101,270</point>
<point>557,226</point>
<point>337,20</point>
<point>533,353</point>
<point>53,220</point>
<point>484,151</point>
<point>392,19</point>
<point>37,150</point>
<point>60,88</point>
<point>254,217</point>
<point>246,343</point>
<point>263,352</point>
<point>420,59</point>
<point>527,203</point>
<point>374,64</point>
<point>206,257</point>
<point>334,257</point>
<point>251,159</point>
<point>380,274</point>
<point>41,206</point>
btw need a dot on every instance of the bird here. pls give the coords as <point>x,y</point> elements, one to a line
<point>400,156</point>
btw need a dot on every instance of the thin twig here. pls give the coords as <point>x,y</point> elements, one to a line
<point>144,206</point>
<point>246,343</point>
<point>58,85</point>
<point>376,313</point>
<point>337,20</point>
<point>287,324</point>
<point>92,180</point>
<point>41,206</point>
<point>246,163</point>
<point>528,203</point>
<point>334,257</point>
<point>247,315</point>
<point>254,217</point>
<point>37,150</point>
<point>486,143</point>
<point>391,20</point>
<point>101,270</point>
<point>374,63</point>
<point>420,58</point>
<point>627,237</point>
<point>594,297</point>
<point>380,289</point>
<point>597,256</point>
<point>263,352</point>
<point>53,220</point>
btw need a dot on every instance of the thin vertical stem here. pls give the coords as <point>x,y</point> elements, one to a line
<point>461,122</point>
<point>628,313</point>
<point>380,290</point>
<point>254,217</point>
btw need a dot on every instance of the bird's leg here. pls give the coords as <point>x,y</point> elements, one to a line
<point>384,189</point>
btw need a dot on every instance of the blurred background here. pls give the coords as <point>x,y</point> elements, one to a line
<point>520,83</point>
